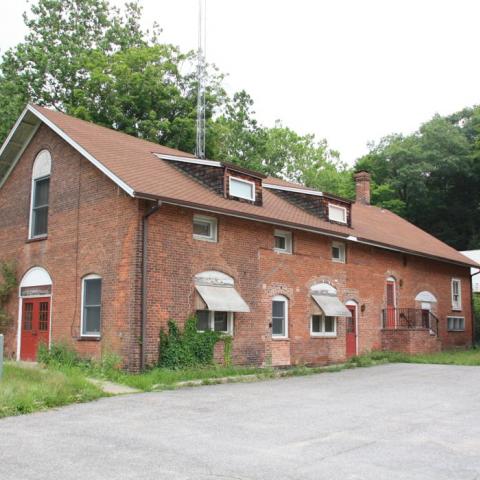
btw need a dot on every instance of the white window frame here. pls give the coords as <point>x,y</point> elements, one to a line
<point>322,332</point>
<point>277,336</point>
<point>452,317</point>
<point>331,207</point>
<point>343,248</point>
<point>288,241</point>
<point>92,276</point>
<point>456,305</point>
<point>212,221</point>
<point>241,180</point>
<point>39,172</point>
<point>211,323</point>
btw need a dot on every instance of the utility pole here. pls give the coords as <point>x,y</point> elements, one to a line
<point>201,78</point>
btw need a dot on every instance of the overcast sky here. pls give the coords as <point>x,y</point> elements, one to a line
<point>350,71</point>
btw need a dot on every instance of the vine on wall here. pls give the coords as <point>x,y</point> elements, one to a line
<point>190,348</point>
<point>8,282</point>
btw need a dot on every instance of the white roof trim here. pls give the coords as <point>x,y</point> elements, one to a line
<point>20,152</point>
<point>70,141</point>
<point>198,161</point>
<point>292,189</point>
<point>82,151</point>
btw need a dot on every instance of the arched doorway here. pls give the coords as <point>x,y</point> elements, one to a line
<point>34,319</point>
<point>427,303</point>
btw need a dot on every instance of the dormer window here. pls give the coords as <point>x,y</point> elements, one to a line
<point>337,214</point>
<point>240,188</point>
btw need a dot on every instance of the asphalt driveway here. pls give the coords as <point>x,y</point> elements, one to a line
<point>388,422</point>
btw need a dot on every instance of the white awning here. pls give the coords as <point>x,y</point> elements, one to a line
<point>222,298</point>
<point>331,305</point>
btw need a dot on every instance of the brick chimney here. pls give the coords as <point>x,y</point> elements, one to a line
<point>362,187</point>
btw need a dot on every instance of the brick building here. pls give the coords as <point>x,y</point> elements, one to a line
<point>113,236</point>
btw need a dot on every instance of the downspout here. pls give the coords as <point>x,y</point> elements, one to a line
<point>143,332</point>
<point>472,307</point>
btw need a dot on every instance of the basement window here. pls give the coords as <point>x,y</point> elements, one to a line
<point>337,214</point>
<point>242,188</point>
<point>283,241</point>
<point>221,322</point>
<point>204,228</point>
<point>456,324</point>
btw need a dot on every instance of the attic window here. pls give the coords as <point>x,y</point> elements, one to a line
<point>337,214</point>
<point>242,189</point>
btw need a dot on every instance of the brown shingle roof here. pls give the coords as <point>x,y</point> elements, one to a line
<point>133,161</point>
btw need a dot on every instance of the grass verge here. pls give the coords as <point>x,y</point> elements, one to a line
<point>27,390</point>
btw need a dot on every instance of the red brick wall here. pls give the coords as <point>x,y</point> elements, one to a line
<point>93,227</point>
<point>246,254</point>
<point>410,341</point>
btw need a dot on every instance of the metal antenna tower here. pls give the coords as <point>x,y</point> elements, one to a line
<point>201,78</point>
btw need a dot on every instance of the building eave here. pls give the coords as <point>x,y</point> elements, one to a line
<point>296,226</point>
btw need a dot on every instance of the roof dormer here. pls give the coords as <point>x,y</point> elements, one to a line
<point>226,179</point>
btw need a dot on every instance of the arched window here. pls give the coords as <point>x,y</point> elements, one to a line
<point>279,317</point>
<point>39,195</point>
<point>91,320</point>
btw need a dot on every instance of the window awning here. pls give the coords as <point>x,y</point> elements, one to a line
<point>222,298</point>
<point>331,305</point>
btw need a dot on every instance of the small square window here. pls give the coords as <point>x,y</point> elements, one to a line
<point>242,188</point>
<point>337,214</point>
<point>217,321</point>
<point>338,252</point>
<point>205,228</point>
<point>322,326</point>
<point>283,241</point>
<point>456,324</point>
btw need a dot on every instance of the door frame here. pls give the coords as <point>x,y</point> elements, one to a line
<point>20,315</point>
<point>355,304</point>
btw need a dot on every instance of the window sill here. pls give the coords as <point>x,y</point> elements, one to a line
<point>324,335</point>
<point>336,260</point>
<point>456,309</point>
<point>280,338</point>
<point>37,239</point>
<point>91,338</point>
<point>205,239</point>
<point>285,252</point>
<point>456,331</point>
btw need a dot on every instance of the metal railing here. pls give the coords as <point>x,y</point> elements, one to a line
<point>409,319</point>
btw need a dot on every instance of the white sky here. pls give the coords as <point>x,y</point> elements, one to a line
<point>350,71</point>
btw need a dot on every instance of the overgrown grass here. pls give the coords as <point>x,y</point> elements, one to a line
<point>27,390</point>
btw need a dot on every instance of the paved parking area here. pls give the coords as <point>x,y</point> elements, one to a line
<point>387,422</point>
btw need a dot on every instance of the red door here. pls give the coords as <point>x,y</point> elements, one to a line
<point>391,305</point>
<point>35,326</point>
<point>352,332</point>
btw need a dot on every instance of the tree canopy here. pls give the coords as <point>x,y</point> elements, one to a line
<point>91,60</point>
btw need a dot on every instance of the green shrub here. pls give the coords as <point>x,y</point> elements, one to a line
<point>188,348</point>
<point>8,282</point>
<point>60,354</point>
